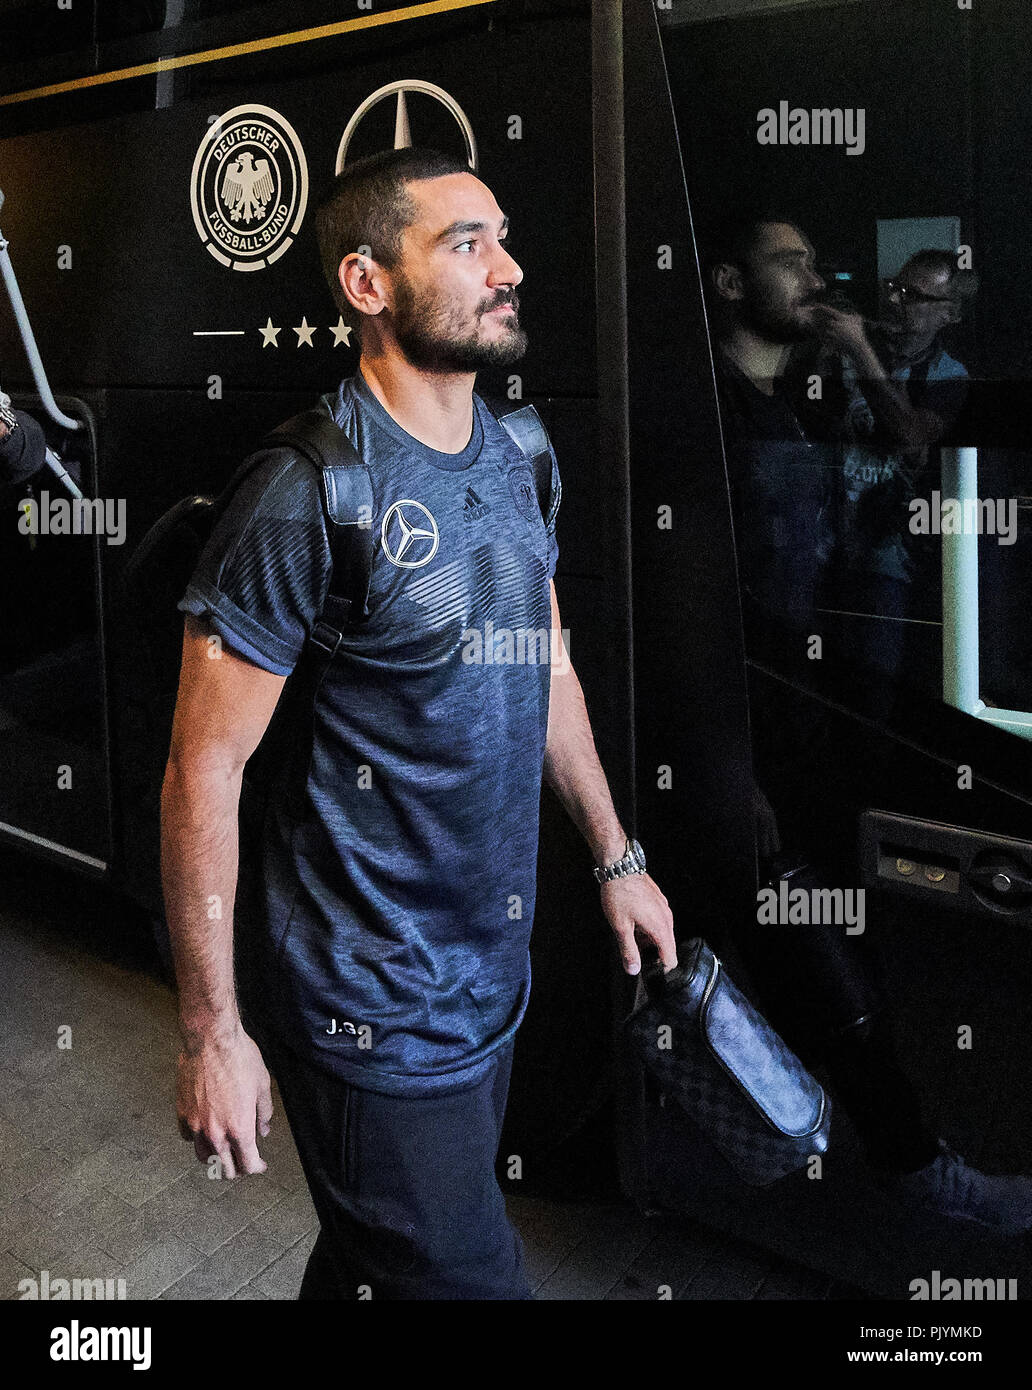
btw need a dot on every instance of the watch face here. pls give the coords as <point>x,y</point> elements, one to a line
<point>638,853</point>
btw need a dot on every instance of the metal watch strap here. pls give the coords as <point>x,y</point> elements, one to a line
<point>624,867</point>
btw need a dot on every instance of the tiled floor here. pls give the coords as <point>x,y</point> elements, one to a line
<point>95,1181</point>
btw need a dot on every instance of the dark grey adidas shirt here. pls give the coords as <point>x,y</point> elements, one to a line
<point>390,932</point>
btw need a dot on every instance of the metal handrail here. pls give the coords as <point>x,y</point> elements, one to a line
<point>29,338</point>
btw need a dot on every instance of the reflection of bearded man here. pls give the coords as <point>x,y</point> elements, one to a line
<point>768,314</point>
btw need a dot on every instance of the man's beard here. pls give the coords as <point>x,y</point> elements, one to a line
<point>773,324</point>
<point>432,338</point>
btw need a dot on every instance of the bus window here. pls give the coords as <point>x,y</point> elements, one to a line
<point>859,234</point>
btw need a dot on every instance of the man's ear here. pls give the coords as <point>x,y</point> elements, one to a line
<point>363,282</point>
<point>727,281</point>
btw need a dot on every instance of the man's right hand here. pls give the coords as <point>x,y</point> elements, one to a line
<point>222,1091</point>
<point>840,330</point>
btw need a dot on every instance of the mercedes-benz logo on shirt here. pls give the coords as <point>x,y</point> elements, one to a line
<point>409,535</point>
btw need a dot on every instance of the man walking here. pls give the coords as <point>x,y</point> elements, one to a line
<point>383,953</point>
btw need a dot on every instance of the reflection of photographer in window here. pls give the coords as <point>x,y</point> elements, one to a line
<point>902,392</point>
<point>821,989</point>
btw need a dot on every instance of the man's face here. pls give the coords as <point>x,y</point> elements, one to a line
<point>917,302</point>
<point>779,285</point>
<point>454,275</point>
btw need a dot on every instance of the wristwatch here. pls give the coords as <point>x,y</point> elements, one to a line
<point>632,862</point>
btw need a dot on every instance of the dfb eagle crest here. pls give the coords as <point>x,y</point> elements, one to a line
<point>247,187</point>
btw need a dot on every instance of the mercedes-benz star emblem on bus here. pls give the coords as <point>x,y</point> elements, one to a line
<point>402,132</point>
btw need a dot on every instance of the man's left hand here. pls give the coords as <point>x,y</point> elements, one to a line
<point>635,903</point>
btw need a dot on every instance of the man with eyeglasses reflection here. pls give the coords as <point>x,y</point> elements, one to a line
<point>894,394</point>
<point>822,989</point>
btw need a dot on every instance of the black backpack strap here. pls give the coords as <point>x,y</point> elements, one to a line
<point>527,431</point>
<point>347,495</point>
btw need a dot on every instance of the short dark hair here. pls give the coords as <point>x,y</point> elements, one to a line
<point>734,240</point>
<point>961,285</point>
<point>368,205</point>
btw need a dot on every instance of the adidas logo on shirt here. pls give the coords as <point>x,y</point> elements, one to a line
<point>473,508</point>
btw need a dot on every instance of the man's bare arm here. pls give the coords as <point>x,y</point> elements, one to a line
<point>909,425</point>
<point>573,770</point>
<point>223,709</point>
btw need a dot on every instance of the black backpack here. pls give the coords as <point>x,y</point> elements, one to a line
<point>157,574</point>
